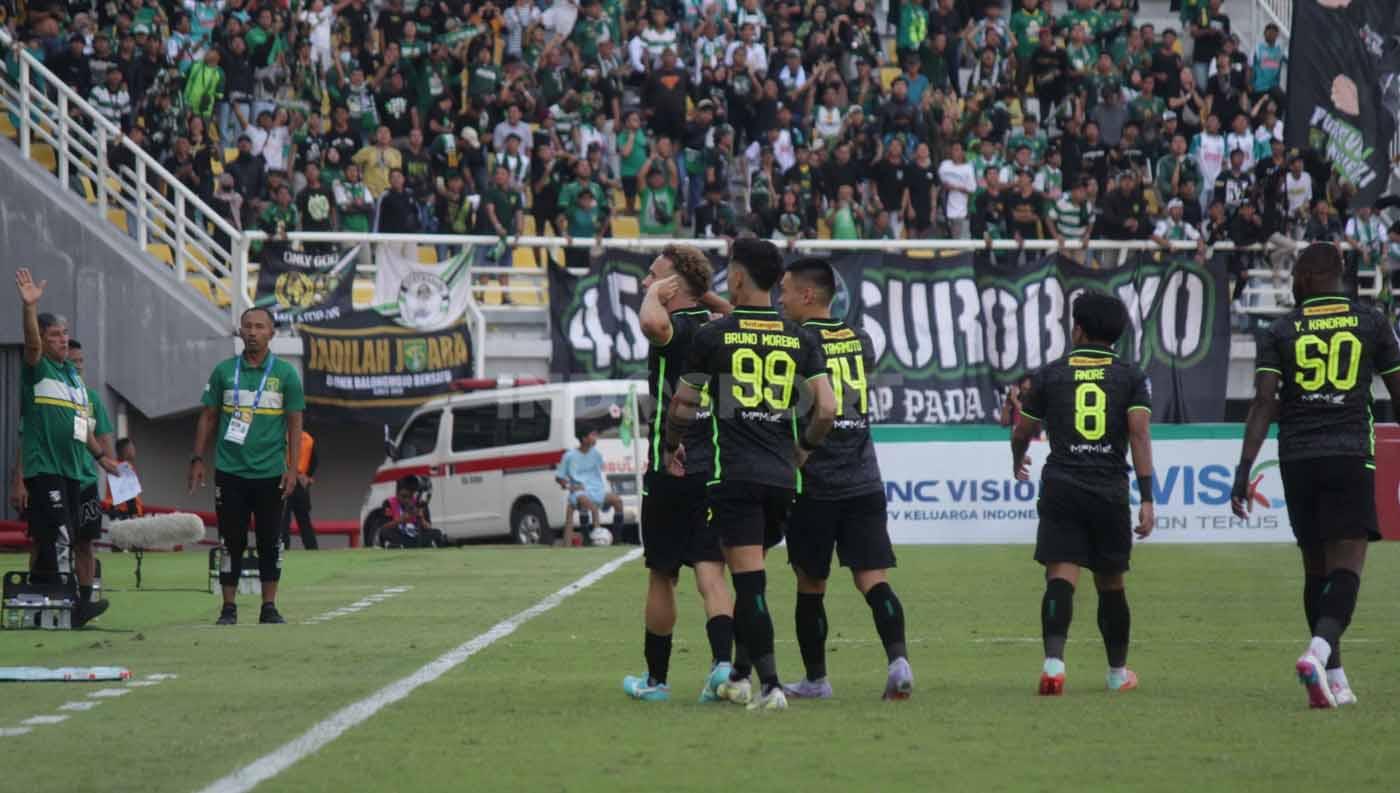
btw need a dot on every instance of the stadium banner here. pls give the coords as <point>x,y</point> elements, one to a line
<point>426,296</point>
<point>376,366</point>
<point>1344,87</point>
<point>955,485</point>
<point>596,330</point>
<point>950,334</point>
<point>305,286</point>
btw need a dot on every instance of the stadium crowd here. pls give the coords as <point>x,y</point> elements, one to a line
<point>790,119</point>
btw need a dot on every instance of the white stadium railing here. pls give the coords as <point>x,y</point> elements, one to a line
<point>156,208</point>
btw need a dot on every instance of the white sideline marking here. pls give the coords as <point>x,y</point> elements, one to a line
<point>142,683</point>
<point>358,606</point>
<point>335,725</point>
<point>34,721</point>
<point>78,706</point>
<point>14,732</point>
<point>109,693</point>
<point>161,676</point>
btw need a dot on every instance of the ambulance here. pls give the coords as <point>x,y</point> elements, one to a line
<point>491,449</point>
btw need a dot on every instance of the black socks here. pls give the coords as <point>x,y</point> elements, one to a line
<point>1115,623</point>
<point>889,619</point>
<point>753,625</point>
<point>1056,610</point>
<point>1336,605</point>
<point>811,633</point>
<point>658,654</point>
<point>720,631</point>
<point>743,665</point>
<point>1312,602</point>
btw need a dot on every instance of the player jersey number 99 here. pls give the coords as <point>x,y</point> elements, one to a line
<point>1090,411</point>
<point>759,379</point>
<point>1321,361</point>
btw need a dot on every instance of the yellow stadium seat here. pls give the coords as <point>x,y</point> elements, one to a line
<point>823,230</point>
<point>489,294</point>
<point>202,286</point>
<point>529,226</point>
<point>216,167</point>
<point>362,293</point>
<point>625,227</point>
<point>6,127</point>
<point>117,218</point>
<point>230,155</point>
<point>43,154</point>
<point>618,199</point>
<point>89,194</point>
<point>162,253</point>
<point>887,75</point>
<point>427,254</point>
<point>919,253</point>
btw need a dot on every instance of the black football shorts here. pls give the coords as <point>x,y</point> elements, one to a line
<point>674,529</point>
<point>747,513</point>
<point>855,528</point>
<point>1084,528</point>
<point>1330,498</point>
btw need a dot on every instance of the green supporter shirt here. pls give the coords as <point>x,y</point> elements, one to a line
<point>658,215</point>
<point>102,425</point>
<point>632,163</point>
<point>1025,28</point>
<point>568,195</point>
<point>584,222</point>
<point>52,397</point>
<point>263,455</point>
<point>507,204</point>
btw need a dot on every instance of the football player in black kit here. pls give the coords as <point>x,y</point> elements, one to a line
<point>1313,372</point>
<point>1093,408</point>
<point>674,531</point>
<point>842,507</point>
<point>762,372</point>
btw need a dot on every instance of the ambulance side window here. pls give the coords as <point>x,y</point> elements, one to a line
<point>421,436</point>
<point>528,423</point>
<point>474,428</point>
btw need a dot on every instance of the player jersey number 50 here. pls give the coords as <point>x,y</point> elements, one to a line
<point>768,378</point>
<point>1321,361</point>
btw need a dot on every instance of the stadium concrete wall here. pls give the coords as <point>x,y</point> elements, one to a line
<point>144,333</point>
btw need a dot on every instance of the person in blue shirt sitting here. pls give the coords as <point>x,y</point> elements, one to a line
<point>581,473</point>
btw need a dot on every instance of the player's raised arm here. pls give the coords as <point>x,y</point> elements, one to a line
<point>29,294</point>
<point>1262,412</point>
<point>716,304</point>
<point>655,318</point>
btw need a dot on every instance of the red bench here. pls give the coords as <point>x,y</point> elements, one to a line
<point>14,535</point>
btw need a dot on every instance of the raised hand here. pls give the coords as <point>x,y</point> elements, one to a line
<point>29,291</point>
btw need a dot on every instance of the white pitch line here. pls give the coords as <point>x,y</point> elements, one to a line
<point>109,693</point>
<point>34,721</point>
<point>14,732</point>
<point>335,725</point>
<point>78,706</point>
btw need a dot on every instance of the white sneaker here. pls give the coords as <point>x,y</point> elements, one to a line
<point>775,699</point>
<point>1312,673</point>
<point>740,692</point>
<point>1342,694</point>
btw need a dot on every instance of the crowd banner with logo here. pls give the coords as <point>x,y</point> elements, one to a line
<point>426,296</point>
<point>596,327</point>
<point>955,485</point>
<point>1344,87</point>
<point>378,364</point>
<point>951,334</point>
<point>305,286</point>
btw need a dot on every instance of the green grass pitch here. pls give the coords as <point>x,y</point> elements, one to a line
<point>1216,630</point>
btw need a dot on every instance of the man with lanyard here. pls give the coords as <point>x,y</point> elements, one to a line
<point>256,402</point>
<point>56,433</point>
